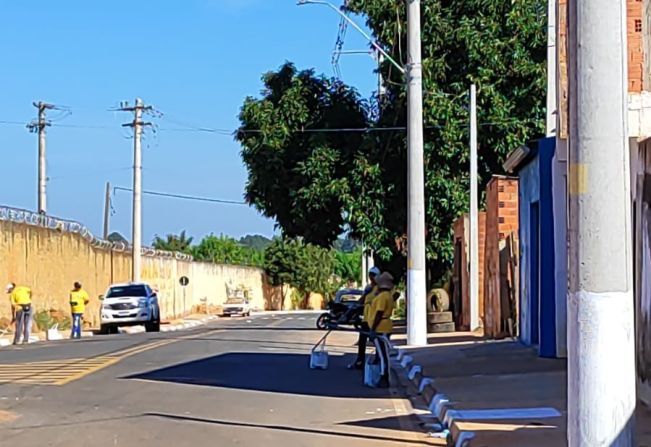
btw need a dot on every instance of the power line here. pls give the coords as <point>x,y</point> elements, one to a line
<point>225,132</point>
<point>181,196</point>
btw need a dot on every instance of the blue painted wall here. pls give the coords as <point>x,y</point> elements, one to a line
<point>538,257</point>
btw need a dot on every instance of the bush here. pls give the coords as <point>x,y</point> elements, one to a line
<point>46,319</point>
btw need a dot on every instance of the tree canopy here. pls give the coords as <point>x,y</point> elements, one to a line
<point>173,242</point>
<point>316,181</point>
<point>296,167</point>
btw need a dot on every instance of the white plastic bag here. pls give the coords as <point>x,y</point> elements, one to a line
<point>53,333</point>
<point>372,373</point>
<point>319,355</point>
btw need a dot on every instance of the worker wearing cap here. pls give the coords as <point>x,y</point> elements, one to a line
<point>381,324</point>
<point>78,301</point>
<point>366,301</point>
<point>21,310</point>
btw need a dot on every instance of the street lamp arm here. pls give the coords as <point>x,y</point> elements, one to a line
<point>357,27</point>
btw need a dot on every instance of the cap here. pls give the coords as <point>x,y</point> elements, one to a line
<point>385,281</point>
<point>11,286</point>
<point>374,271</point>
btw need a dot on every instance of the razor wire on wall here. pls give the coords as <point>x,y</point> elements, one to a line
<point>68,226</point>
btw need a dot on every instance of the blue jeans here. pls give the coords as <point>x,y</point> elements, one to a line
<point>23,325</point>
<point>76,326</point>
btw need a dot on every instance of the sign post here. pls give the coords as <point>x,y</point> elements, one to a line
<point>184,281</point>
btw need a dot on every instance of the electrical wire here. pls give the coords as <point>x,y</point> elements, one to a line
<point>182,196</point>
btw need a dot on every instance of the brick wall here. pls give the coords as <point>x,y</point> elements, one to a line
<point>635,56</point>
<point>501,224</point>
<point>635,47</point>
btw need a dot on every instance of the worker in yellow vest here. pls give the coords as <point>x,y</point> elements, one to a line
<point>78,301</point>
<point>20,298</point>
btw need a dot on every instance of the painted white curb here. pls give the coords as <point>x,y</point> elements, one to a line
<point>406,361</point>
<point>413,371</point>
<point>427,381</point>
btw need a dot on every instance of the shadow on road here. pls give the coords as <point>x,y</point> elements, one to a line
<point>286,373</point>
<point>348,435</point>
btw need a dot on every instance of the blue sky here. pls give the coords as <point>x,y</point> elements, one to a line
<point>194,60</point>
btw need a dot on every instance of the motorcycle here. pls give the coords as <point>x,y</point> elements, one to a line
<point>344,310</point>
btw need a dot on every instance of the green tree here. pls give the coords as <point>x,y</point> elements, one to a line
<point>256,242</point>
<point>503,51</point>
<point>306,267</point>
<point>348,266</point>
<point>295,174</point>
<point>172,242</point>
<point>225,250</point>
<point>315,183</point>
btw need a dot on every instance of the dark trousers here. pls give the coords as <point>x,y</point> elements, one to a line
<point>76,326</point>
<point>23,325</point>
<point>361,343</point>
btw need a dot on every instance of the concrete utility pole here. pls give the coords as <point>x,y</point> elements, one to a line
<point>39,126</point>
<point>416,276</point>
<point>474,214</point>
<point>601,345</point>
<point>107,209</point>
<point>136,236</point>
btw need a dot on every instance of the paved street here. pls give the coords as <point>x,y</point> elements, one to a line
<point>239,382</point>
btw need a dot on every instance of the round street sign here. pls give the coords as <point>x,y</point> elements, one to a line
<point>184,281</point>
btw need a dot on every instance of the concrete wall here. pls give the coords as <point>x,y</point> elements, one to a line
<point>50,260</point>
<point>529,193</point>
<point>559,193</point>
<point>641,192</point>
<point>461,279</point>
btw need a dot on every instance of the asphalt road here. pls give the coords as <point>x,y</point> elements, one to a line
<point>239,382</point>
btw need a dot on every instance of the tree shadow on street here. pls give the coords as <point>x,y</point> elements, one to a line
<point>286,373</point>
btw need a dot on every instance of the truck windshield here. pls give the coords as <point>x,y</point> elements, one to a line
<point>124,291</point>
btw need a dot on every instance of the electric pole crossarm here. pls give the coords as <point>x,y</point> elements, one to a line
<point>136,234</point>
<point>39,127</point>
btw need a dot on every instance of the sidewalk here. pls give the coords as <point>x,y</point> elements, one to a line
<point>178,324</point>
<point>499,393</point>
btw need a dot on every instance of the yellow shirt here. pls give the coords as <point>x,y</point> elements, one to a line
<point>78,301</point>
<point>383,302</point>
<point>368,301</point>
<point>20,295</point>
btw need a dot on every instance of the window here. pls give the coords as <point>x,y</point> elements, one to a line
<point>126,291</point>
<point>638,25</point>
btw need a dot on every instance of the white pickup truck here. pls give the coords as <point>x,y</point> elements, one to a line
<point>236,306</point>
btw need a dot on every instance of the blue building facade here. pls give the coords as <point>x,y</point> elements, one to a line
<point>540,168</point>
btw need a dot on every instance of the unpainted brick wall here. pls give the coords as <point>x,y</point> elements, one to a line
<point>501,222</point>
<point>635,45</point>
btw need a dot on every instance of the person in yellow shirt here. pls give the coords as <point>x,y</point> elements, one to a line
<point>78,301</point>
<point>20,298</point>
<point>381,324</point>
<point>366,301</point>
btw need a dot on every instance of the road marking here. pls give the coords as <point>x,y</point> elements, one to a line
<point>62,372</point>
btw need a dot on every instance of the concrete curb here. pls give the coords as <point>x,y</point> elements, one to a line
<point>439,404</point>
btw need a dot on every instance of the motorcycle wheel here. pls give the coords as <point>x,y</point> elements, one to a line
<point>323,321</point>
